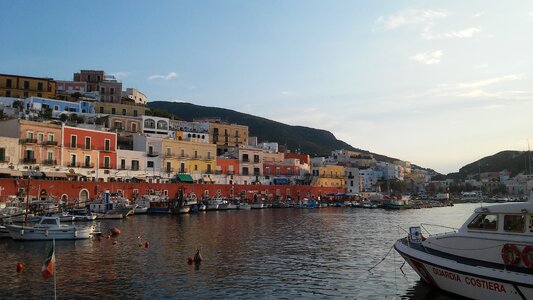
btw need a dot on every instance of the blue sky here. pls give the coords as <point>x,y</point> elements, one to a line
<point>438,83</point>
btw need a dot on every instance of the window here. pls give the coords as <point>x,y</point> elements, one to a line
<point>101,109</point>
<point>278,171</point>
<point>107,145</point>
<point>245,158</point>
<point>149,164</point>
<point>39,86</point>
<point>123,111</point>
<point>195,154</point>
<point>135,165</point>
<point>50,156</point>
<point>2,154</point>
<point>29,135</point>
<point>123,164</point>
<point>56,107</point>
<point>135,113</point>
<point>256,158</point>
<point>169,167</point>
<point>182,153</point>
<point>87,143</point>
<point>208,169</point>
<point>484,222</point>
<point>111,90</point>
<point>102,90</point>
<point>8,83</point>
<point>289,171</point>
<point>50,137</point>
<point>182,168</point>
<point>72,160</point>
<point>513,223</point>
<point>134,127</point>
<point>208,155</point>
<point>26,85</point>
<point>73,141</point>
<point>87,162</point>
<point>150,150</point>
<point>113,111</point>
<point>196,167</point>
<point>169,151</point>
<point>257,172</point>
<point>245,171</point>
<point>40,136</point>
<point>107,162</point>
<point>267,171</point>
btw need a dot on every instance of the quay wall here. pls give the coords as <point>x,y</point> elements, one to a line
<point>71,191</point>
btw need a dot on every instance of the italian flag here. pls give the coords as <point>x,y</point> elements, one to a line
<point>49,264</point>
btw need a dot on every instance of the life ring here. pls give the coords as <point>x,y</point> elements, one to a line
<point>510,254</point>
<point>527,256</point>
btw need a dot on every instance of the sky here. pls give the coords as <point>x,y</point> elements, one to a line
<point>438,83</point>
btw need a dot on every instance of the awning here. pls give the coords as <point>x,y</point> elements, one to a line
<point>185,178</point>
<point>13,173</point>
<point>55,175</point>
<point>74,174</point>
<point>281,181</point>
<point>33,174</point>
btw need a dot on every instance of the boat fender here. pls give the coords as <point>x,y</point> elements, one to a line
<point>75,233</point>
<point>20,266</point>
<point>527,256</point>
<point>21,232</point>
<point>510,254</point>
<point>115,231</point>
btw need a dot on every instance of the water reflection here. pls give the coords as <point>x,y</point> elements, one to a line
<point>274,253</point>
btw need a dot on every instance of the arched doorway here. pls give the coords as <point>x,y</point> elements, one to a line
<point>84,196</point>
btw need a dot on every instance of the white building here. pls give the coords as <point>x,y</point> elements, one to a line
<point>131,164</point>
<point>352,179</point>
<point>136,96</point>
<point>156,126</point>
<point>273,147</point>
<point>152,147</point>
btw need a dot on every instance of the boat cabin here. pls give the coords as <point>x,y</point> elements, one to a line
<point>503,219</point>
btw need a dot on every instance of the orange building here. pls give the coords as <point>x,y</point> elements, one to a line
<point>39,142</point>
<point>88,148</point>
<point>227,166</point>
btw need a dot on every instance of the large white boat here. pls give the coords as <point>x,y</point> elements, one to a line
<point>489,257</point>
<point>49,228</point>
<point>111,204</point>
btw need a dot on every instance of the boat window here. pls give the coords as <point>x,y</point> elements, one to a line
<point>513,223</point>
<point>484,222</point>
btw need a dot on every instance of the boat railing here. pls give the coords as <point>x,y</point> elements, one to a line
<point>424,225</point>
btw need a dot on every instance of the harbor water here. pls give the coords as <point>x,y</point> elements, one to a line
<point>267,254</point>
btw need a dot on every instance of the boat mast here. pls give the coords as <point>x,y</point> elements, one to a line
<point>27,199</point>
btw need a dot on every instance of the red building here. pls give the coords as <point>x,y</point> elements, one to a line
<point>88,148</point>
<point>304,158</point>
<point>227,166</point>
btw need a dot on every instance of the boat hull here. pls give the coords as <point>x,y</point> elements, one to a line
<point>468,280</point>
<point>47,234</point>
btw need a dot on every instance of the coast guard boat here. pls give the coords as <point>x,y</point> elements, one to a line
<point>489,257</point>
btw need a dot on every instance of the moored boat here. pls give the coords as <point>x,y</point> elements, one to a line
<point>49,228</point>
<point>489,257</point>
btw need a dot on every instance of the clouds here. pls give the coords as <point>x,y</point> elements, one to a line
<point>120,75</point>
<point>168,76</point>
<point>461,34</point>
<point>428,58</point>
<point>409,17</point>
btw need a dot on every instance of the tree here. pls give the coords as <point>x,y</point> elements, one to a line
<point>63,118</point>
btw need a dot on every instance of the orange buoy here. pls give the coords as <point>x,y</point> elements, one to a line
<point>115,231</point>
<point>190,260</point>
<point>146,244</point>
<point>20,266</point>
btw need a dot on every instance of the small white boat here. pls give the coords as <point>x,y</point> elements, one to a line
<point>245,206</point>
<point>202,207</point>
<point>257,205</point>
<point>112,214</point>
<point>49,228</point>
<point>489,257</point>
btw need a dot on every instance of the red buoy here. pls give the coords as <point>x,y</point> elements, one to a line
<point>115,231</point>
<point>146,244</point>
<point>190,260</point>
<point>19,267</point>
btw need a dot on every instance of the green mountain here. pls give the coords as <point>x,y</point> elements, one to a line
<point>514,161</point>
<point>316,142</point>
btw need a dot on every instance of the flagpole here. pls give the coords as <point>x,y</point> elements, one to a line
<point>55,285</point>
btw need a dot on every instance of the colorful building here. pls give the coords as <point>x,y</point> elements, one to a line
<point>25,86</point>
<point>109,88</point>
<point>87,148</point>
<point>40,143</point>
<point>120,109</point>
<point>328,176</point>
<point>9,151</point>
<point>183,156</point>
<point>226,135</point>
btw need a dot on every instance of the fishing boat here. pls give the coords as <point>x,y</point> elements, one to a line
<point>245,206</point>
<point>49,228</point>
<point>82,214</point>
<point>489,257</point>
<point>110,205</point>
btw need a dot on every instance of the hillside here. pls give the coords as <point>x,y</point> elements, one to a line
<point>514,161</point>
<point>316,142</point>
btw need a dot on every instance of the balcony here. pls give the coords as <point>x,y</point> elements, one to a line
<point>50,162</point>
<point>88,166</point>
<point>28,141</point>
<point>49,143</point>
<point>28,160</point>
<point>169,170</point>
<point>183,156</point>
<point>4,159</point>
<point>73,165</point>
<point>105,167</point>
<point>135,168</point>
<point>168,155</point>
<point>152,154</point>
<point>245,160</point>
<point>107,150</point>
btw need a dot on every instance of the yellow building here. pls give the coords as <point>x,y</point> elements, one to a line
<point>120,109</point>
<point>24,86</point>
<point>185,156</point>
<point>328,176</point>
<point>225,134</point>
